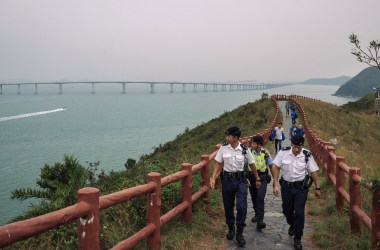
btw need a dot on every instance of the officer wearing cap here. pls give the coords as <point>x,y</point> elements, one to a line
<point>295,163</point>
<point>263,160</point>
<point>234,183</point>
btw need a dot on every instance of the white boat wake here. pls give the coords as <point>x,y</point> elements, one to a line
<point>7,118</point>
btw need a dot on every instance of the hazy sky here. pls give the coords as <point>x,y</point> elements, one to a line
<point>178,40</point>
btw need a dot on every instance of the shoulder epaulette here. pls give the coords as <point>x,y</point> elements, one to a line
<point>245,148</point>
<point>265,151</point>
<point>307,154</point>
<point>225,144</point>
<point>286,148</point>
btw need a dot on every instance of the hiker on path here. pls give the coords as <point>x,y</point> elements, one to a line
<point>279,137</point>
<point>300,130</point>
<point>293,130</point>
<point>295,164</point>
<point>287,108</point>
<point>234,182</point>
<point>294,116</point>
<point>263,161</point>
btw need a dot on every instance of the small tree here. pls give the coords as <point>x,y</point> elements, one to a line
<point>264,96</point>
<point>371,57</point>
<point>130,163</point>
<point>58,186</point>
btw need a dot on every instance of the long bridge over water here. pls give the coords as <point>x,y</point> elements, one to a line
<point>215,86</point>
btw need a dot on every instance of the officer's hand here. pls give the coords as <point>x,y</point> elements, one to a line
<point>258,184</point>
<point>317,193</point>
<point>212,182</point>
<point>276,191</point>
<point>248,182</point>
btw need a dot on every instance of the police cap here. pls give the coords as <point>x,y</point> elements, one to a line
<point>235,131</point>
<point>258,139</point>
<point>298,140</point>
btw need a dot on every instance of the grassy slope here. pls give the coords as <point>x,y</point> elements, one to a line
<point>207,230</point>
<point>358,138</point>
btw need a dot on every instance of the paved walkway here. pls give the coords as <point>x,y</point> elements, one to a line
<point>275,235</point>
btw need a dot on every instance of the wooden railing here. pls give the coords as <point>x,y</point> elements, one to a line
<point>86,211</point>
<point>335,170</point>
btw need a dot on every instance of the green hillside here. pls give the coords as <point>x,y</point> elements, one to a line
<point>362,84</point>
<point>357,136</point>
<point>123,220</point>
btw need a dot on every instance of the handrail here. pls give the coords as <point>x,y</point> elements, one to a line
<point>86,211</point>
<point>325,156</point>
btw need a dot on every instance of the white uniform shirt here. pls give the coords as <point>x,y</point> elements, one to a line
<point>233,159</point>
<point>293,168</point>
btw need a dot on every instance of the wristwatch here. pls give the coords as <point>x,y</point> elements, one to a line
<point>319,189</point>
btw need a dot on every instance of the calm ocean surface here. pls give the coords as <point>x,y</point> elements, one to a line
<point>106,126</point>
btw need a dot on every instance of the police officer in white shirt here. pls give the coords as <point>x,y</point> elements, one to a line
<point>234,182</point>
<point>295,163</point>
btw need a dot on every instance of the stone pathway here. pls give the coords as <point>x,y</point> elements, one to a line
<point>275,235</point>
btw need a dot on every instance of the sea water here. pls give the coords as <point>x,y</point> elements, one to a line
<point>106,126</point>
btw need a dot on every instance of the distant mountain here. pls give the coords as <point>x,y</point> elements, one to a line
<point>340,80</point>
<point>361,84</point>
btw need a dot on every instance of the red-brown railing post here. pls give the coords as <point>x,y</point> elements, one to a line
<point>205,173</point>
<point>355,199</point>
<point>375,219</point>
<point>153,211</point>
<point>88,227</point>
<point>218,182</point>
<point>330,162</point>
<point>187,192</point>
<point>340,181</point>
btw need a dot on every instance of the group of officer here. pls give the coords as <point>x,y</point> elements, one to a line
<point>298,170</point>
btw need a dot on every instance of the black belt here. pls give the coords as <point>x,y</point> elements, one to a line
<point>295,184</point>
<point>238,174</point>
<point>259,172</point>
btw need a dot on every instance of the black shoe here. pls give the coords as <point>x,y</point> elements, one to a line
<point>261,225</point>
<point>240,239</point>
<point>231,232</point>
<point>291,231</point>
<point>297,244</point>
<point>254,219</point>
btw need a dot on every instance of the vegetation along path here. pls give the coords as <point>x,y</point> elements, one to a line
<point>275,235</point>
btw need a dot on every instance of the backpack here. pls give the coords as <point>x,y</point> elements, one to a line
<point>272,135</point>
<point>296,116</point>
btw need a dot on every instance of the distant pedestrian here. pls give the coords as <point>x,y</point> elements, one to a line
<point>294,116</point>
<point>234,182</point>
<point>287,108</point>
<point>263,161</point>
<point>300,130</point>
<point>279,137</point>
<point>293,130</point>
<point>295,164</point>
<point>292,106</point>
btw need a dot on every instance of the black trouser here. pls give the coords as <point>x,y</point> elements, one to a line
<point>277,143</point>
<point>235,187</point>
<point>293,207</point>
<point>258,195</point>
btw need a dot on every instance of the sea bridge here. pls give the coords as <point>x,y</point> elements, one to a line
<point>205,86</point>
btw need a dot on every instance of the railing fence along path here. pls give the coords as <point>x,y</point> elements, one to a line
<point>86,211</point>
<point>335,170</point>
